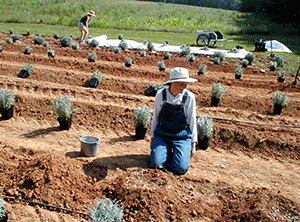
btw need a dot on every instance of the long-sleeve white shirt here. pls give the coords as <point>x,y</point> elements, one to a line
<point>189,110</point>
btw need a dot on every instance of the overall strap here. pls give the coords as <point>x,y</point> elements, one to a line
<point>164,94</point>
<point>185,96</point>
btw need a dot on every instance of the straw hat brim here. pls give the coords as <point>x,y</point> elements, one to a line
<point>185,80</point>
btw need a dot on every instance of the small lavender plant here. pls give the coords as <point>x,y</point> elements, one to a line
<point>205,127</point>
<point>98,75</point>
<point>142,116</point>
<point>92,56</point>
<point>106,211</point>
<point>62,106</point>
<point>38,40</point>
<point>280,99</point>
<point>27,50</point>
<point>66,41</point>
<point>218,89</point>
<point>123,45</point>
<point>2,209</point>
<point>7,98</point>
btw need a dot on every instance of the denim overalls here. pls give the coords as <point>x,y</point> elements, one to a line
<point>171,145</point>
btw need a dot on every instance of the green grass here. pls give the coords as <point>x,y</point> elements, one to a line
<point>141,21</point>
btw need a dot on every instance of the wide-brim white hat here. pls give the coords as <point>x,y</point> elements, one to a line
<point>179,74</point>
<point>91,13</point>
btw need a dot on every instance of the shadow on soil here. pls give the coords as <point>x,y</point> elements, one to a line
<point>40,132</point>
<point>98,168</point>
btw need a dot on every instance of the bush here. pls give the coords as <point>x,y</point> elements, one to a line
<point>204,127</point>
<point>128,61</point>
<point>142,116</point>
<point>158,86</point>
<point>279,60</point>
<point>2,209</point>
<point>202,68</point>
<point>272,65</point>
<point>62,106</point>
<point>245,63</point>
<point>66,41</point>
<point>167,55</point>
<point>28,67</point>
<point>117,49</point>
<point>27,50</point>
<point>45,44</point>
<point>185,50</point>
<point>120,36</point>
<point>16,37</point>
<point>191,57</point>
<point>38,40</point>
<point>98,75</point>
<point>9,40</point>
<point>55,35</point>
<point>51,52</point>
<point>150,46</point>
<point>94,43</point>
<point>238,71</point>
<point>106,211</point>
<point>75,45</point>
<point>218,90</point>
<point>92,56</point>
<point>123,45</point>
<point>7,98</point>
<point>220,55</point>
<point>143,53</point>
<point>0,48</point>
<point>217,60</point>
<point>280,99</point>
<point>250,57</point>
<point>161,65</point>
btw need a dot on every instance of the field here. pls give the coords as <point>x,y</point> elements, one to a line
<point>250,171</point>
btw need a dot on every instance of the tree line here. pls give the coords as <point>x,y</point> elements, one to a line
<point>280,11</point>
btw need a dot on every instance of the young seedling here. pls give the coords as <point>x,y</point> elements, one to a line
<point>106,211</point>
<point>117,49</point>
<point>75,45</point>
<point>161,65</point>
<point>143,53</point>
<point>191,57</point>
<point>51,53</point>
<point>128,61</point>
<point>94,43</point>
<point>205,131</point>
<point>25,72</point>
<point>123,45</point>
<point>167,55</point>
<point>97,77</point>
<point>92,56</point>
<point>218,90</point>
<point>66,41</point>
<point>238,72</point>
<point>250,57</point>
<point>220,55</point>
<point>202,68</point>
<point>280,101</point>
<point>245,63</point>
<point>27,50</point>
<point>38,40</point>
<point>280,76</point>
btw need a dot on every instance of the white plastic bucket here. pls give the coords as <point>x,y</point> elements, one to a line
<point>89,145</point>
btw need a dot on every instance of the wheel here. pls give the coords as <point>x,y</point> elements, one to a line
<point>202,39</point>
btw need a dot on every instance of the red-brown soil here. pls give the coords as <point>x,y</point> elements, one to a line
<point>250,172</point>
